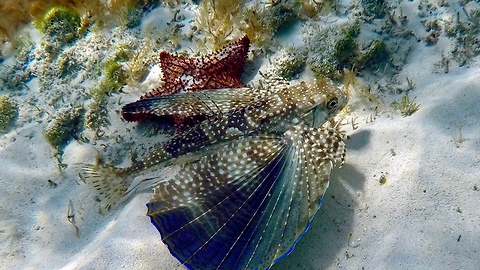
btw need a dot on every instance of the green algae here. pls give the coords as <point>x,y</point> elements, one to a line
<point>373,56</point>
<point>114,73</point>
<point>66,124</point>
<point>374,8</point>
<point>59,21</point>
<point>289,62</point>
<point>96,116</point>
<point>406,106</point>
<point>8,111</point>
<point>332,49</point>
<point>281,16</point>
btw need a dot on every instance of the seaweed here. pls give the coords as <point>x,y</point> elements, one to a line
<point>8,111</point>
<point>139,60</point>
<point>66,65</point>
<point>60,26</point>
<point>309,8</point>
<point>131,16</point>
<point>218,20</point>
<point>14,78</point>
<point>129,13</point>
<point>468,42</point>
<point>122,52</point>
<point>347,46</point>
<point>375,9</point>
<point>114,73</point>
<point>71,217</point>
<point>289,62</point>
<point>114,76</point>
<point>458,139</point>
<point>256,27</point>
<point>364,90</point>
<point>373,56</point>
<point>15,13</point>
<point>221,21</point>
<point>312,9</point>
<point>331,48</point>
<point>22,45</point>
<point>59,21</point>
<point>281,16</point>
<point>66,124</point>
<point>96,116</point>
<point>406,106</point>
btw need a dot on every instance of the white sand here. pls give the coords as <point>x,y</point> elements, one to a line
<point>425,216</point>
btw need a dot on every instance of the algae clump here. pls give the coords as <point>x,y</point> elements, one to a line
<point>60,26</point>
<point>374,8</point>
<point>96,116</point>
<point>59,21</point>
<point>375,54</point>
<point>8,111</point>
<point>332,48</point>
<point>406,106</point>
<point>114,73</point>
<point>289,62</point>
<point>281,16</point>
<point>66,125</point>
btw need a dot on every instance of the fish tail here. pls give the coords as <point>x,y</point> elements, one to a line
<point>110,182</point>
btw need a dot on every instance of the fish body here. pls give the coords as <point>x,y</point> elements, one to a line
<point>252,174</point>
<point>259,111</point>
<point>231,113</point>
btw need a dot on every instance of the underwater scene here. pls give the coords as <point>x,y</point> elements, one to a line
<point>249,134</point>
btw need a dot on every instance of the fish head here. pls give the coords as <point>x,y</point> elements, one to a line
<point>315,103</point>
<point>329,100</point>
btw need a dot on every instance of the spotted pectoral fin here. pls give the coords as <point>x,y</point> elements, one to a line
<point>203,213</point>
<point>246,206</point>
<point>204,103</point>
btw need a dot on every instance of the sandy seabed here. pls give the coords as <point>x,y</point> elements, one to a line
<point>424,216</point>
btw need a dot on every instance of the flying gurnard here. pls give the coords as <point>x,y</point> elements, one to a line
<point>252,174</point>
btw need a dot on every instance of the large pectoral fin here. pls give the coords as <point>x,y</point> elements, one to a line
<point>245,206</point>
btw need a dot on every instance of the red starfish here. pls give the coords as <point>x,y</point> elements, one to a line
<point>220,69</point>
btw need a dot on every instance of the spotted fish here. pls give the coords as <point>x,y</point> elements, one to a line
<point>250,181</point>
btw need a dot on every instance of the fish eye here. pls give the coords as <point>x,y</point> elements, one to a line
<point>332,103</point>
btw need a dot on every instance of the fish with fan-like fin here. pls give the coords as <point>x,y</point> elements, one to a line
<point>251,178</point>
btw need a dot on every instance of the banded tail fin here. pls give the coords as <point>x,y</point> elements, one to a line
<point>111,183</point>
